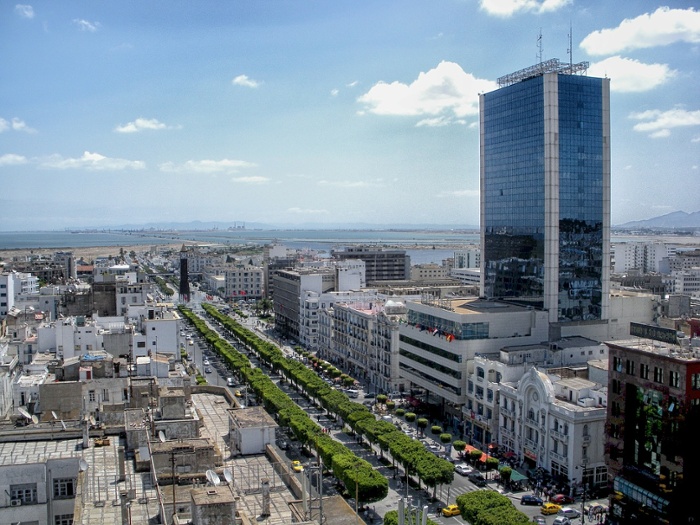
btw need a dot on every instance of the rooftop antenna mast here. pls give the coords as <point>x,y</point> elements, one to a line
<point>571,49</point>
<point>539,46</point>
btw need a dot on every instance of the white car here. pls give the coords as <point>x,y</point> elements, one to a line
<point>463,469</point>
<point>569,512</point>
<point>206,362</point>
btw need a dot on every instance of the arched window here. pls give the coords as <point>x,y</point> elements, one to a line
<point>479,372</point>
<point>585,430</point>
<point>531,415</point>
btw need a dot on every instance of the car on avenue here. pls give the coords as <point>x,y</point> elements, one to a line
<point>207,370</point>
<point>297,466</point>
<point>561,520</point>
<point>463,469</point>
<point>451,510</point>
<point>530,499</point>
<point>569,512</point>
<point>477,479</point>
<point>561,499</point>
<point>539,520</point>
<point>549,508</point>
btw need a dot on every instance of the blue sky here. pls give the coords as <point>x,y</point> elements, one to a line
<point>293,112</point>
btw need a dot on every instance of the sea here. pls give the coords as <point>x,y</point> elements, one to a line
<point>423,246</point>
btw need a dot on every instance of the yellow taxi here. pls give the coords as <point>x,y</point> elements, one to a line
<point>297,466</point>
<point>550,508</point>
<point>238,393</point>
<point>451,510</point>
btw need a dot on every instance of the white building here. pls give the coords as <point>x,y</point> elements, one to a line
<point>362,339</point>
<point>243,281</point>
<point>251,430</point>
<point>468,258</point>
<point>556,423</point>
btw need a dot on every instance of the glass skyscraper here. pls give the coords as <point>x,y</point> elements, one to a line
<point>545,191</point>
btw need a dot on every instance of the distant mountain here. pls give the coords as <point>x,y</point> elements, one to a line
<point>677,219</point>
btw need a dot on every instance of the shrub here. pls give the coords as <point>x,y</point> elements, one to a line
<point>410,416</point>
<point>445,437</point>
<point>436,429</point>
<point>400,412</point>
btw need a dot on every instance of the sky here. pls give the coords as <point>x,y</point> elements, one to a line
<point>326,112</point>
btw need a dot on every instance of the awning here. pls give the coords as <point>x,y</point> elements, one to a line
<point>509,454</point>
<point>517,476</point>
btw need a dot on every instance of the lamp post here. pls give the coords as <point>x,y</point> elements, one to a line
<point>583,486</point>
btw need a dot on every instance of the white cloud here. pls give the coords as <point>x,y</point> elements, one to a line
<point>662,27</point>
<point>352,84</point>
<point>86,25</point>
<point>24,10</point>
<point>659,123</point>
<point>445,90</point>
<point>10,159</point>
<point>306,211</point>
<point>251,180</point>
<point>351,183</point>
<point>20,125</point>
<point>141,124</point>
<point>334,92</point>
<point>458,193</point>
<point>506,8</point>
<point>631,76</point>
<point>16,125</point>
<point>243,80</point>
<point>695,139</point>
<point>91,161</point>
<point>207,166</point>
<point>437,122</point>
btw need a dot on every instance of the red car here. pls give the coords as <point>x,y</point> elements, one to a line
<point>561,499</point>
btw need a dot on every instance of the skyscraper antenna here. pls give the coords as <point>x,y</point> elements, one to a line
<point>571,48</point>
<point>539,46</point>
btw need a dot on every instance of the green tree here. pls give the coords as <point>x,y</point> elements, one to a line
<point>445,437</point>
<point>422,424</point>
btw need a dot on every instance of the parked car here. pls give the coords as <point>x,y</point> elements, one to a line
<point>561,520</point>
<point>569,512</point>
<point>463,469</point>
<point>561,499</point>
<point>207,370</point>
<point>451,510</point>
<point>230,382</point>
<point>297,466</point>
<point>549,508</point>
<point>539,520</point>
<point>530,499</point>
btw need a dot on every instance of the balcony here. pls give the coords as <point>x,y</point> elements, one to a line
<point>558,435</point>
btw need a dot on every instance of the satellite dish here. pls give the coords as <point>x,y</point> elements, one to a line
<point>161,436</point>
<point>83,465</point>
<point>228,475</point>
<point>53,413</point>
<point>92,421</point>
<point>35,420</point>
<point>63,424</point>
<point>213,478</point>
<point>24,412</point>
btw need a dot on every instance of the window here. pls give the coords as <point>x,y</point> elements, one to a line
<point>616,386</point>
<point>480,372</point>
<point>26,493</point>
<point>63,519</point>
<point>63,488</point>
<point>643,371</point>
<point>673,379</point>
<point>629,367</point>
<point>658,374</point>
<point>91,396</point>
<point>617,364</point>
<point>695,381</point>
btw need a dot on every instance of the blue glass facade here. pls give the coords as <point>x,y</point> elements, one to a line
<point>543,172</point>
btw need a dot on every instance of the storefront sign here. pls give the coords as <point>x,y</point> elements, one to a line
<point>530,455</point>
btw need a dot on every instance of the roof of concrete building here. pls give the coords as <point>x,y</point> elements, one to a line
<point>659,348</point>
<point>252,417</point>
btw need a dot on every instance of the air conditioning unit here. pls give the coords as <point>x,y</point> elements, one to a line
<point>16,502</point>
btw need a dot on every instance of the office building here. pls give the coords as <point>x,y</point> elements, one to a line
<point>545,191</point>
<point>653,420</point>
